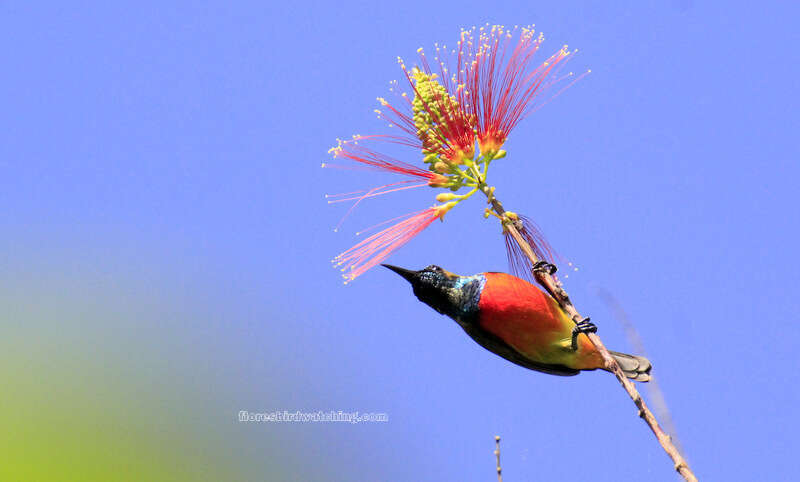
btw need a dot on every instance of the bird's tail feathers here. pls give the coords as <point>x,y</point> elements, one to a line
<point>635,367</point>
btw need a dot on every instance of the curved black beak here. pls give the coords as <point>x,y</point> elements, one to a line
<point>405,273</point>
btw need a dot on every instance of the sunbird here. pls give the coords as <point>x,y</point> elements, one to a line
<point>514,319</point>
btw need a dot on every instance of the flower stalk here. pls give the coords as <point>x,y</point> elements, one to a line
<point>545,278</point>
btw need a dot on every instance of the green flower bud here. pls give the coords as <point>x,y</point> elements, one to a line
<point>440,167</point>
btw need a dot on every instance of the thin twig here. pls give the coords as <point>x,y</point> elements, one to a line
<point>659,403</point>
<point>497,454</point>
<point>544,278</point>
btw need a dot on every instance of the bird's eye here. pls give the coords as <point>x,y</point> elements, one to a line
<point>434,268</point>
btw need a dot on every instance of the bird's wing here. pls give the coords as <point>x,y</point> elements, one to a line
<point>497,346</point>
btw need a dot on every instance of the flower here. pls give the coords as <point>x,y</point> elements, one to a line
<point>509,91</point>
<point>371,251</point>
<point>519,263</point>
<point>479,92</point>
<point>374,160</point>
<point>458,118</point>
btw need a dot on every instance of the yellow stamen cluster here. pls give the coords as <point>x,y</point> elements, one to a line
<point>431,104</point>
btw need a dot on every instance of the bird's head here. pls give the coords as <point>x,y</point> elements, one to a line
<point>448,293</point>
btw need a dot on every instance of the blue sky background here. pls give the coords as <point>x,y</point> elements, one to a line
<point>165,243</point>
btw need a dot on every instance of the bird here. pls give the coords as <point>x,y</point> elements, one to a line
<point>514,319</point>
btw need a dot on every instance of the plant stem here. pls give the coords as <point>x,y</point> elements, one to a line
<point>497,454</point>
<point>544,278</point>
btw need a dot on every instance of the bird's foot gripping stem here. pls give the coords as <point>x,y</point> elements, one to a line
<point>545,267</point>
<point>584,326</point>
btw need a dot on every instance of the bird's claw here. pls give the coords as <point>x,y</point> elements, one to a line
<point>584,326</point>
<point>544,266</point>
